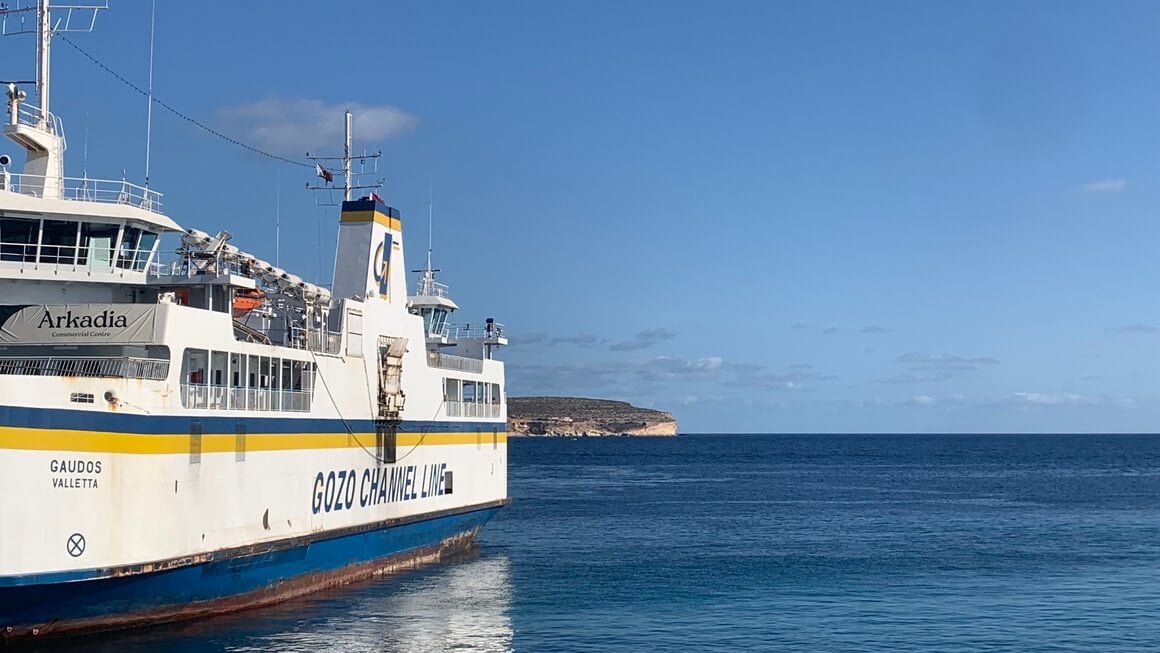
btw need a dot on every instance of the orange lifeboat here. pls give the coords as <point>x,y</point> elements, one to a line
<point>247,300</point>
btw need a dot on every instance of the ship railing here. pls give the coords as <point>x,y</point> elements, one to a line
<point>84,189</point>
<point>30,115</point>
<point>476,331</point>
<point>73,258</point>
<point>218,397</point>
<point>472,409</point>
<point>431,288</point>
<point>323,342</point>
<point>100,367</point>
<point>452,362</point>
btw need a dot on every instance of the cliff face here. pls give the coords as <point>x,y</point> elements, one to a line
<point>563,416</point>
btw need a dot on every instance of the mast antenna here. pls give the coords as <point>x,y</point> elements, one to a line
<point>346,157</point>
<point>324,166</point>
<point>149,100</point>
<point>430,222</point>
<point>277,216</point>
<point>36,18</point>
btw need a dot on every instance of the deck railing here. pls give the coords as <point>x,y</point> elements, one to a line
<point>83,189</point>
<point>218,397</point>
<point>103,367</point>
<point>73,258</point>
<point>452,362</point>
<point>482,331</point>
<point>472,409</point>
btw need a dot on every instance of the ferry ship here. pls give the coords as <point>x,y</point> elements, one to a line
<point>185,438</point>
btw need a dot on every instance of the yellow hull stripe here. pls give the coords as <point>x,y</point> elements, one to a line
<point>29,439</point>
<point>372,216</point>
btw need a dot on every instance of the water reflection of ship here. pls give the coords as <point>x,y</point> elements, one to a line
<point>463,604</point>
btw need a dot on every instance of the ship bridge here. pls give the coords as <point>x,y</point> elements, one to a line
<point>432,302</point>
<point>65,229</point>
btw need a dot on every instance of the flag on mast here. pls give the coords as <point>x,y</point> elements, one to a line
<point>324,173</point>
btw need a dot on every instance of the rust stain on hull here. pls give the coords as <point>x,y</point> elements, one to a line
<point>284,590</point>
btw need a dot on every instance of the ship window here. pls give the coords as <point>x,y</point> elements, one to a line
<point>218,368</point>
<point>58,242</point>
<point>97,241</point>
<point>451,390</point>
<point>136,247</point>
<point>274,364</point>
<point>307,378</point>
<point>469,392</point>
<point>495,394</point>
<point>145,250</point>
<point>193,366</point>
<point>237,371</point>
<point>296,376</point>
<point>264,373</point>
<point>128,252</point>
<point>18,239</point>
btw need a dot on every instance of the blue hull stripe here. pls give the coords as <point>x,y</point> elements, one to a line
<point>223,579</point>
<point>92,420</point>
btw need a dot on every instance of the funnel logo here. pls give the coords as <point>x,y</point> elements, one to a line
<point>383,259</point>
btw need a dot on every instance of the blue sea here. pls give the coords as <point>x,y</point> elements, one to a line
<point>779,542</point>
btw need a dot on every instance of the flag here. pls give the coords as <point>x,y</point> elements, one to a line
<point>375,197</point>
<point>324,173</point>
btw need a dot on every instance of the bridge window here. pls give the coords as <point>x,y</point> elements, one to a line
<point>97,241</point>
<point>136,248</point>
<point>58,242</point>
<point>18,238</point>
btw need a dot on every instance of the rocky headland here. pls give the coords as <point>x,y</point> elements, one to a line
<point>576,416</point>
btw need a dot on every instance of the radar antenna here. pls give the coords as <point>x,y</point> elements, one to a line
<point>25,17</point>
<point>324,168</point>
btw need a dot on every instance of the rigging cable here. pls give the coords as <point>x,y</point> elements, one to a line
<point>181,115</point>
<point>422,432</point>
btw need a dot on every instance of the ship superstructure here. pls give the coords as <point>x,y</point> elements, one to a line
<point>185,437</point>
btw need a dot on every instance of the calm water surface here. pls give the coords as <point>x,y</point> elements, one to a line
<point>826,543</point>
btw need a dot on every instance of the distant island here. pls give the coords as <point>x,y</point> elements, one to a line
<point>574,416</point>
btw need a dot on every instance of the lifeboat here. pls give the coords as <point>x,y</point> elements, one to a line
<point>246,300</point>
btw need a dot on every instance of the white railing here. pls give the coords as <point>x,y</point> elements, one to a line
<point>220,397</point>
<point>323,342</point>
<point>105,191</point>
<point>481,331</point>
<point>472,409</point>
<point>451,362</point>
<point>30,115</point>
<point>104,367</point>
<point>427,287</point>
<point>72,258</point>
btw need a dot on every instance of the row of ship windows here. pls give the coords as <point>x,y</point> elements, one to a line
<point>471,392</point>
<point>229,380</point>
<point>69,242</point>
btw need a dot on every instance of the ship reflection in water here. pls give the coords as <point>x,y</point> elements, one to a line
<point>459,604</point>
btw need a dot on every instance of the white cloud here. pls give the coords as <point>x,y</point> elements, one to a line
<point>1106,186</point>
<point>293,127</point>
<point>1047,399</point>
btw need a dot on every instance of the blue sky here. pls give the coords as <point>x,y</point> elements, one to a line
<point>762,216</point>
